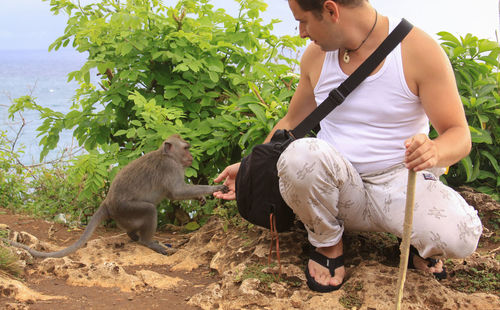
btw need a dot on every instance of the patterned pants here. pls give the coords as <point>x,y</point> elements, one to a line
<point>327,193</point>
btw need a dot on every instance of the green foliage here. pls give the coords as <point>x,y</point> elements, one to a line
<point>219,81</point>
<point>480,278</point>
<point>476,66</point>
<point>13,187</point>
<point>53,193</point>
<point>187,69</point>
<point>256,271</point>
<point>351,298</point>
<point>41,190</point>
<point>266,275</point>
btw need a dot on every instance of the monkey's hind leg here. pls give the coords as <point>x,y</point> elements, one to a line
<point>133,235</point>
<point>139,219</point>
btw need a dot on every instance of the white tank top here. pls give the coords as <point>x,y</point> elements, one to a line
<point>369,128</point>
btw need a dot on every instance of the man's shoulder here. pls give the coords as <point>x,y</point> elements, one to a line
<point>419,44</point>
<point>423,57</point>
<point>312,52</point>
<point>312,59</point>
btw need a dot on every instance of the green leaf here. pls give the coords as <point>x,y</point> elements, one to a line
<point>214,77</point>
<point>480,135</point>
<point>492,160</point>
<point>476,170</point>
<point>181,67</point>
<point>170,93</point>
<point>102,67</point>
<point>483,175</point>
<point>141,132</point>
<point>193,107</point>
<point>186,92</point>
<point>131,133</point>
<point>259,112</point>
<point>467,164</point>
<point>214,65</point>
<point>446,36</point>
<point>120,133</point>
<point>486,190</point>
<point>192,226</point>
<point>86,77</point>
<point>486,45</point>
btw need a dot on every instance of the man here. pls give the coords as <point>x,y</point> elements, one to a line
<point>354,174</point>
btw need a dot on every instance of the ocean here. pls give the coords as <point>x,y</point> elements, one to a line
<point>43,75</point>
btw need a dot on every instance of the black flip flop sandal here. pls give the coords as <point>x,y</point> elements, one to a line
<point>431,263</point>
<point>331,264</point>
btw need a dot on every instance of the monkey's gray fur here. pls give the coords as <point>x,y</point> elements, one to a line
<point>135,192</point>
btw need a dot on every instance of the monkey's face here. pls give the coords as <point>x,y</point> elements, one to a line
<point>187,158</point>
<point>178,149</point>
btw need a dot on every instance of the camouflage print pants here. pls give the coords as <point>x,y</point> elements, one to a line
<point>328,194</point>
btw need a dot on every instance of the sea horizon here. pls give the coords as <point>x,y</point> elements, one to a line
<point>42,75</point>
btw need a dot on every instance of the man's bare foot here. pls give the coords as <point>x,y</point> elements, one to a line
<point>322,274</point>
<point>422,264</point>
<point>430,265</point>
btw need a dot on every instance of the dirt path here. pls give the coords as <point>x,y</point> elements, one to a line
<point>62,289</point>
<point>226,268</point>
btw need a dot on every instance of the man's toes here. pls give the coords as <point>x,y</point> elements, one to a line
<point>338,278</point>
<point>437,268</point>
<point>335,281</point>
<point>319,275</point>
<point>323,279</point>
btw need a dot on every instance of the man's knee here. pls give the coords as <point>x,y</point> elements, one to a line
<point>302,161</point>
<point>451,243</point>
<point>464,244</point>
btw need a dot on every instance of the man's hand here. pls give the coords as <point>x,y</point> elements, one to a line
<point>421,153</point>
<point>229,177</point>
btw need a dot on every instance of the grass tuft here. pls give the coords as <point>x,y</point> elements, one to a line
<point>9,263</point>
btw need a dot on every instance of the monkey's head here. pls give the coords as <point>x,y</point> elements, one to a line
<point>178,149</point>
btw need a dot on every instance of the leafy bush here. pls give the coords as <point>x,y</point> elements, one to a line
<point>13,187</point>
<point>221,82</point>
<point>476,66</point>
<point>42,190</point>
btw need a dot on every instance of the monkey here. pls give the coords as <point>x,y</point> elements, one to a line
<point>135,192</point>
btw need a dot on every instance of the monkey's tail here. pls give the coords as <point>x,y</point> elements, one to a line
<point>100,215</point>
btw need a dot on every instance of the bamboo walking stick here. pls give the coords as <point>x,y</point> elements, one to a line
<point>405,244</point>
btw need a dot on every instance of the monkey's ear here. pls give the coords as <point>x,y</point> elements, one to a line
<point>167,146</point>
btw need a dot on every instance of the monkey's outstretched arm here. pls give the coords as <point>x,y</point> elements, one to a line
<point>195,191</point>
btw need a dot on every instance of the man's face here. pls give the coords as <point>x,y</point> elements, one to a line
<point>318,28</point>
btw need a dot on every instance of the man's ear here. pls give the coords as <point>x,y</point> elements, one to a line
<point>332,8</point>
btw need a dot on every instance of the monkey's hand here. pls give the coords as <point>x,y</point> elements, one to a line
<point>222,188</point>
<point>229,177</point>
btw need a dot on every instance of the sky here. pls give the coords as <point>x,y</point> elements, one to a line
<point>29,24</point>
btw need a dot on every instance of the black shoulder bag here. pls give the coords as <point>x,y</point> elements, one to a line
<point>257,185</point>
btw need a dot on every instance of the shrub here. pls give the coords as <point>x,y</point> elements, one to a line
<point>13,187</point>
<point>476,67</point>
<point>221,82</point>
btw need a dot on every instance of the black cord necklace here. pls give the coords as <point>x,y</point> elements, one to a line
<point>347,51</point>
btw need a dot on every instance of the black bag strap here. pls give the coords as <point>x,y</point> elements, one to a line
<point>338,95</point>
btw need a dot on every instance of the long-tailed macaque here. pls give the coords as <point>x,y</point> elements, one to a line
<point>135,192</point>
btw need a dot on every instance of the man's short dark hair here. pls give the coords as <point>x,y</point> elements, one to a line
<point>317,5</point>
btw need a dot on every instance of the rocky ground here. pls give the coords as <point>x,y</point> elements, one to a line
<point>225,266</point>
